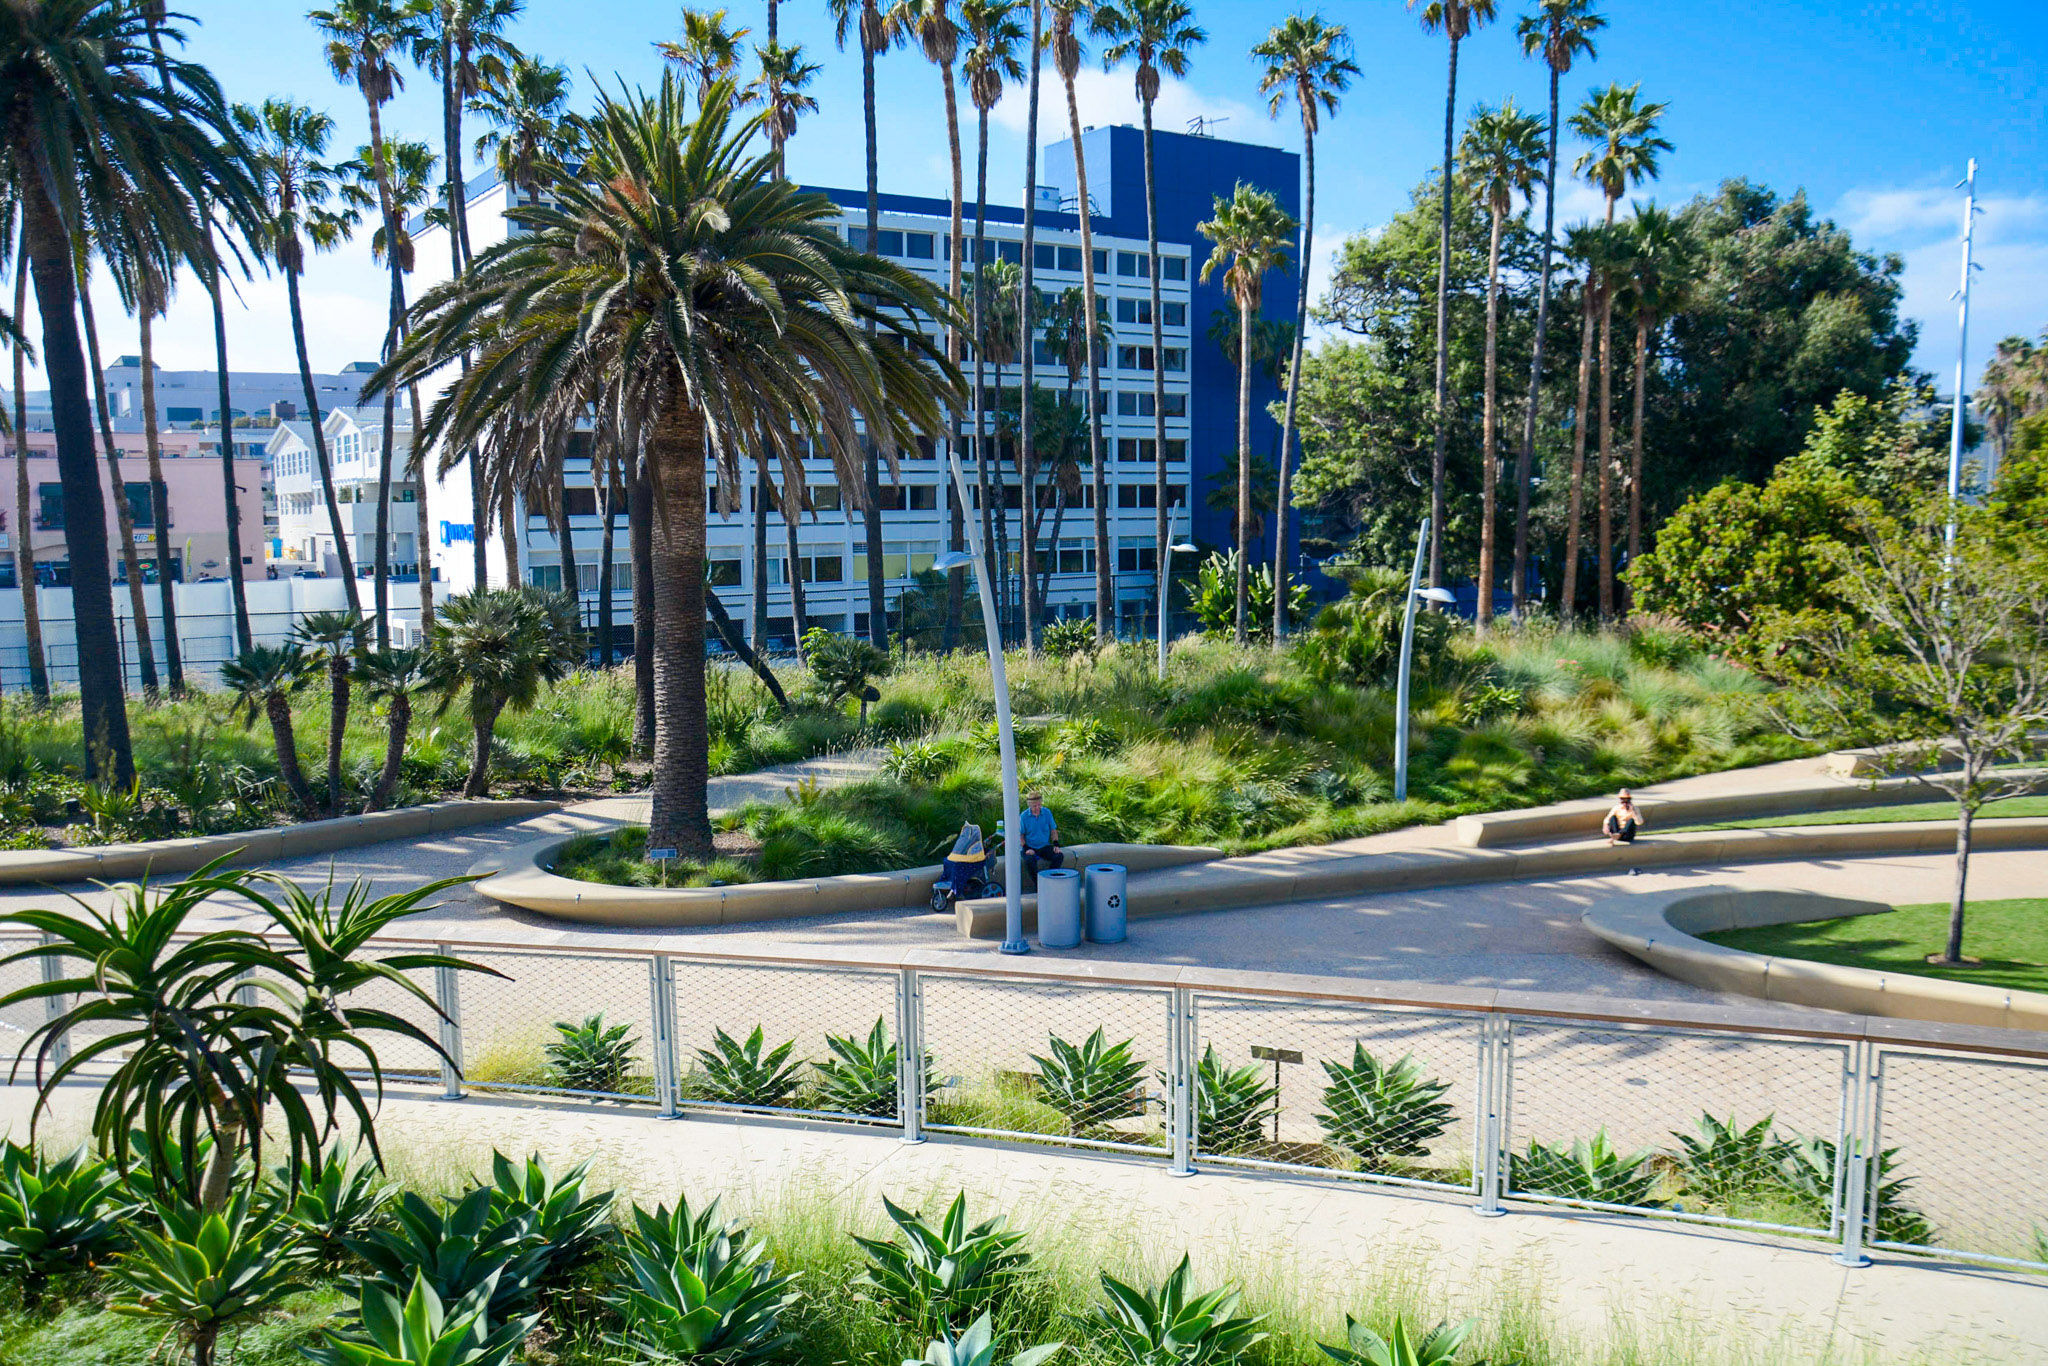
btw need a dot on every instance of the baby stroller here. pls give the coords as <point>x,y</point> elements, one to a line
<point>966,874</point>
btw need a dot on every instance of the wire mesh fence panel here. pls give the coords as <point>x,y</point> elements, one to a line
<point>1082,1063</point>
<point>19,1021</point>
<point>1724,1128</point>
<point>777,1037</point>
<point>399,1058</point>
<point>1380,1094</point>
<point>558,1021</point>
<point>1964,1144</point>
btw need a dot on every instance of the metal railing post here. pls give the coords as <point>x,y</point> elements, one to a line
<point>662,1011</point>
<point>1855,1151</point>
<point>448,996</point>
<point>1180,1090</point>
<point>910,1055</point>
<point>1490,1137</point>
<point>55,1006</point>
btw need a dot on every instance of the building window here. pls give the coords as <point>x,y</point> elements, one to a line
<point>824,497</point>
<point>1132,265</point>
<point>1173,267</point>
<point>722,573</point>
<point>1176,359</point>
<point>50,507</point>
<point>1174,315</point>
<point>1176,451</point>
<point>919,246</point>
<point>1133,496</point>
<point>548,576</point>
<point>1013,252</point>
<point>1134,358</point>
<point>1070,259</point>
<point>1129,404</point>
<point>1137,557</point>
<point>140,511</point>
<point>887,241</point>
<point>1134,311</point>
<point>1176,405</point>
<point>183,414</point>
<point>1076,557</point>
<point>579,502</point>
<point>924,497</point>
<point>1044,256</point>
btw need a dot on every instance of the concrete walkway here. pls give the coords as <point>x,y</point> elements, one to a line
<point>1321,1245</point>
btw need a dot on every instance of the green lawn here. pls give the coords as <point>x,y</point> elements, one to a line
<point>1868,815</point>
<point>2011,937</point>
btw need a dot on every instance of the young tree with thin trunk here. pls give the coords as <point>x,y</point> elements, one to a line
<point>1503,156</point>
<point>1155,36</point>
<point>1251,232</point>
<point>1309,61</point>
<point>1562,31</point>
<point>1456,20</point>
<point>149,304</point>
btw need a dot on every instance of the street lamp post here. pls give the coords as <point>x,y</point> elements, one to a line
<point>1416,594</point>
<point>1013,870</point>
<point>1166,554</point>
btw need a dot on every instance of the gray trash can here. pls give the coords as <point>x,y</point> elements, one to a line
<point>1103,890</point>
<point>1059,909</point>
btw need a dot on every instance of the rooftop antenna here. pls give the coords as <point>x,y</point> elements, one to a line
<point>1955,440</point>
<point>1200,126</point>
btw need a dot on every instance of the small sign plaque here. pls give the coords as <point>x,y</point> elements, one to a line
<point>1265,1054</point>
<point>661,853</point>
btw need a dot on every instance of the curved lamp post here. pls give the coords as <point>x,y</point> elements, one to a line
<point>1013,869</point>
<point>1166,554</point>
<point>1440,597</point>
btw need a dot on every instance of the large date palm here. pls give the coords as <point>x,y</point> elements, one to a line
<point>728,314</point>
<point>90,110</point>
<point>1309,61</point>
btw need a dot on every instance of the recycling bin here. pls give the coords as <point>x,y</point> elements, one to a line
<point>1059,909</point>
<point>1103,889</point>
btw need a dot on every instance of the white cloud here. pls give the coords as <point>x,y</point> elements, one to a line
<point>1108,97</point>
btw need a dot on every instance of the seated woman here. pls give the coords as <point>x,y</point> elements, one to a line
<point>1623,821</point>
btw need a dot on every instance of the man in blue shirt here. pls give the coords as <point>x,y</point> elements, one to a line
<point>1041,836</point>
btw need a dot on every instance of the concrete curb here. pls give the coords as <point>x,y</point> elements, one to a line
<point>520,877</point>
<point>1304,873</point>
<point>253,848</point>
<point>1659,928</point>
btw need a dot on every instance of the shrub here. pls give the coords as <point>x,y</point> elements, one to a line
<point>1381,1112</point>
<point>456,1247</point>
<point>1071,638</point>
<point>718,1299</point>
<point>423,1331</point>
<point>199,1272</point>
<point>1092,1084</point>
<point>1722,1162</point>
<point>1363,1347</point>
<point>592,1056</point>
<point>749,1073</point>
<point>976,1346</point>
<point>923,761</point>
<point>335,1202</point>
<point>860,1078</point>
<point>1587,1170</point>
<point>1232,1104</point>
<point>1807,1170</point>
<point>939,1278</point>
<point>564,1227</point>
<point>1170,1327</point>
<point>57,1215</point>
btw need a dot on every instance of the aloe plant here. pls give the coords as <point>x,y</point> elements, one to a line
<point>57,1215</point>
<point>1363,1347</point>
<point>1807,1171</point>
<point>748,1073</point>
<point>592,1056</point>
<point>565,1226</point>
<point>336,1201</point>
<point>1232,1104</point>
<point>424,1331</point>
<point>936,1278</point>
<point>976,1346</point>
<point>199,1272</point>
<point>860,1078</point>
<point>1171,1327</point>
<point>1723,1162</point>
<point>1590,1169</point>
<point>457,1246</point>
<point>1381,1112</point>
<point>1092,1084</point>
<point>718,1299</point>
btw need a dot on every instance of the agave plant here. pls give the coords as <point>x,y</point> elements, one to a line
<point>1232,1104</point>
<point>592,1056</point>
<point>1171,1327</point>
<point>678,1234</point>
<point>1807,1171</point>
<point>1590,1169</point>
<point>976,1346</point>
<point>1363,1347</point>
<point>1092,1084</point>
<point>336,1201</point>
<point>424,1331</point>
<point>748,1073</point>
<point>938,1278</point>
<point>566,1226</point>
<point>456,1246</point>
<point>205,1271</point>
<point>56,1215</point>
<point>1380,1112</point>
<point>860,1078</point>
<point>718,1299</point>
<point>1722,1161</point>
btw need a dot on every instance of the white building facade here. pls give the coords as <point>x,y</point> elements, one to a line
<point>305,527</point>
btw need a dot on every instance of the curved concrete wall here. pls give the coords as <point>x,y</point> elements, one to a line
<point>1660,928</point>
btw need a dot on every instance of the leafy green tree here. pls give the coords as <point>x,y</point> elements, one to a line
<point>1212,597</point>
<point>501,646</point>
<point>844,666</point>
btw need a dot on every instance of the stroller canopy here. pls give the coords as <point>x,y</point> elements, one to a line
<point>968,848</point>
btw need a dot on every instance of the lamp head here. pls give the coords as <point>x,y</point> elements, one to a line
<point>953,559</point>
<point>1442,596</point>
<point>1184,548</point>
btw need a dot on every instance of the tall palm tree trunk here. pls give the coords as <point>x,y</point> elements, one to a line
<point>1244,471</point>
<point>679,819</point>
<point>1308,218</point>
<point>1105,586</point>
<point>572,573</point>
<point>398,723</point>
<point>483,721</point>
<point>277,708</point>
<point>381,573</point>
<point>458,252</point>
<point>1605,533</point>
<point>1027,451</point>
<point>24,551</point>
<point>1440,451</point>
<point>508,531</point>
<point>988,540</point>
<point>159,502</point>
<point>1525,458</point>
<point>871,514</point>
<point>758,628</point>
<point>1161,517</point>
<point>1488,460</point>
<point>640,536</point>
<point>104,709</point>
<point>1002,511</point>
<point>337,724</point>
<point>238,589</point>
<point>313,421</point>
<point>1568,592</point>
<point>124,514</point>
<point>607,507</point>
<point>1635,444</point>
<point>956,515</point>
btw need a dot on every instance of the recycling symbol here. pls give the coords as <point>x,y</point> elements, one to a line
<point>1115,901</point>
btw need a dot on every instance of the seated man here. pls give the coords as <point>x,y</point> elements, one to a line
<point>1623,821</point>
<point>1040,834</point>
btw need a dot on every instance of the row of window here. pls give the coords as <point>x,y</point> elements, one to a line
<point>927,246</point>
<point>900,560</point>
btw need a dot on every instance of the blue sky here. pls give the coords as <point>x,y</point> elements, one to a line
<point>1870,106</point>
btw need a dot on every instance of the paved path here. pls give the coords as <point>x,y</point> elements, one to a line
<point>1326,1246</point>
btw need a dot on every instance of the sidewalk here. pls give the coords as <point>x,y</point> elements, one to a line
<point>1333,1244</point>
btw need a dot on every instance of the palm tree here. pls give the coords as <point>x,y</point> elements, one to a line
<point>1562,31</point>
<point>993,34</point>
<point>151,297</point>
<point>1503,155</point>
<point>363,37</point>
<point>877,36</point>
<point>1027,456</point>
<point>24,553</point>
<point>1584,245</point>
<point>1251,232</point>
<point>1659,264</point>
<point>1068,16</point>
<point>1004,329</point>
<point>333,640</point>
<point>286,142</point>
<point>264,678</point>
<point>1155,36</point>
<point>500,647</point>
<point>1456,20</point>
<point>529,135</point>
<point>82,89</point>
<point>391,677</point>
<point>1310,61</point>
<point>2005,395</point>
<point>1624,153</point>
<point>617,280</point>
<point>709,52</point>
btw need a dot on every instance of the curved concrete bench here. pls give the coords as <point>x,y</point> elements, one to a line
<point>521,877</point>
<point>248,848</point>
<point>1660,928</point>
